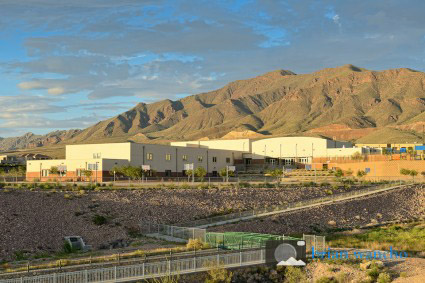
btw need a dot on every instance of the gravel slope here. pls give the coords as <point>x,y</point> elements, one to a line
<point>36,221</point>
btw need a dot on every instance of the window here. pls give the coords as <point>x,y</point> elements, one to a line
<point>184,157</point>
<point>96,155</point>
<point>79,173</point>
<point>214,159</point>
<point>149,156</point>
<point>200,158</point>
<point>168,157</point>
<point>167,173</point>
<point>92,166</point>
<point>45,173</point>
<point>227,159</point>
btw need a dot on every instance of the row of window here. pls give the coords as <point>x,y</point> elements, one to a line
<point>149,156</point>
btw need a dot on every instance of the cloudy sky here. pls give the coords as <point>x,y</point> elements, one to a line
<point>70,63</point>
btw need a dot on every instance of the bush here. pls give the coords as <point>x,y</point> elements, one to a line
<point>99,219</point>
<point>194,244</point>
<point>219,275</point>
<point>67,248</point>
<point>384,278</point>
<point>373,273</point>
<point>67,196</point>
<point>294,275</point>
<point>339,173</point>
<point>326,279</point>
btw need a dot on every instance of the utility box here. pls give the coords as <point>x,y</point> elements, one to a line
<point>77,243</point>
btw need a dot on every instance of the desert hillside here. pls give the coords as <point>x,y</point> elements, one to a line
<point>347,103</point>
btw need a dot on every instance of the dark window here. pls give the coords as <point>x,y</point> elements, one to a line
<point>214,159</point>
<point>227,159</point>
<point>167,173</point>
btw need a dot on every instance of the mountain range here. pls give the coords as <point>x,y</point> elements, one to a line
<point>347,103</point>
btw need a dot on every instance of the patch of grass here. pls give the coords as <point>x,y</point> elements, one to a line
<point>405,237</point>
<point>20,255</point>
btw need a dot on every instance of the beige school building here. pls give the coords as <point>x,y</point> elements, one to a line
<point>162,160</point>
<point>213,155</point>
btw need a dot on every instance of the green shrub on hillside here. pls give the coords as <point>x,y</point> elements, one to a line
<point>99,219</point>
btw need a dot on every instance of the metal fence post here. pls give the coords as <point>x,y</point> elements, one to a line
<point>86,276</point>
<point>169,266</point>
<point>240,258</point>
<point>115,273</point>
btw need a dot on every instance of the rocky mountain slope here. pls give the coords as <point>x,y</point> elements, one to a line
<point>347,103</point>
<point>30,140</point>
<point>354,101</point>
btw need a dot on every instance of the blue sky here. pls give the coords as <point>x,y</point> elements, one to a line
<point>69,64</point>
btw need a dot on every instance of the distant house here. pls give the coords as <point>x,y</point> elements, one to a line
<point>34,156</point>
<point>8,159</point>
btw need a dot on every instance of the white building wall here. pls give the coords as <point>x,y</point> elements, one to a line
<point>99,151</point>
<point>201,157</point>
<point>289,147</point>
<point>236,145</point>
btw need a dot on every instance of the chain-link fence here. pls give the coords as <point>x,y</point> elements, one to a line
<point>318,242</point>
<point>148,228</point>
<point>241,240</point>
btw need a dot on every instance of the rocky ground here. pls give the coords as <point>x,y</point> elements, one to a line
<point>37,221</point>
<point>402,204</point>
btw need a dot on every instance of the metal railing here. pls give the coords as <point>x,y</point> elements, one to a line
<point>149,270</point>
<point>205,222</point>
<point>318,242</point>
<point>184,233</point>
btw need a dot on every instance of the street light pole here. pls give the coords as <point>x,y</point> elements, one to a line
<point>96,169</point>
<point>227,174</point>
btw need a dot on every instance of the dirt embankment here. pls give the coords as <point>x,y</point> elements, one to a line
<point>401,204</point>
<point>37,221</point>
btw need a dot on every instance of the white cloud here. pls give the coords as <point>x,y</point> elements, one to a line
<point>30,85</point>
<point>56,90</point>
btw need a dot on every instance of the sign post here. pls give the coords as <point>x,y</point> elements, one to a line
<point>146,168</point>
<point>229,168</point>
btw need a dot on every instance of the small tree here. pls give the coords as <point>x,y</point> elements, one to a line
<point>361,173</point>
<point>189,173</point>
<point>413,173</point>
<point>407,172</point>
<point>87,173</point>
<point>201,173</point>
<point>54,170</point>
<point>223,173</point>
<point>339,173</point>
<point>357,156</point>
<point>404,171</point>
